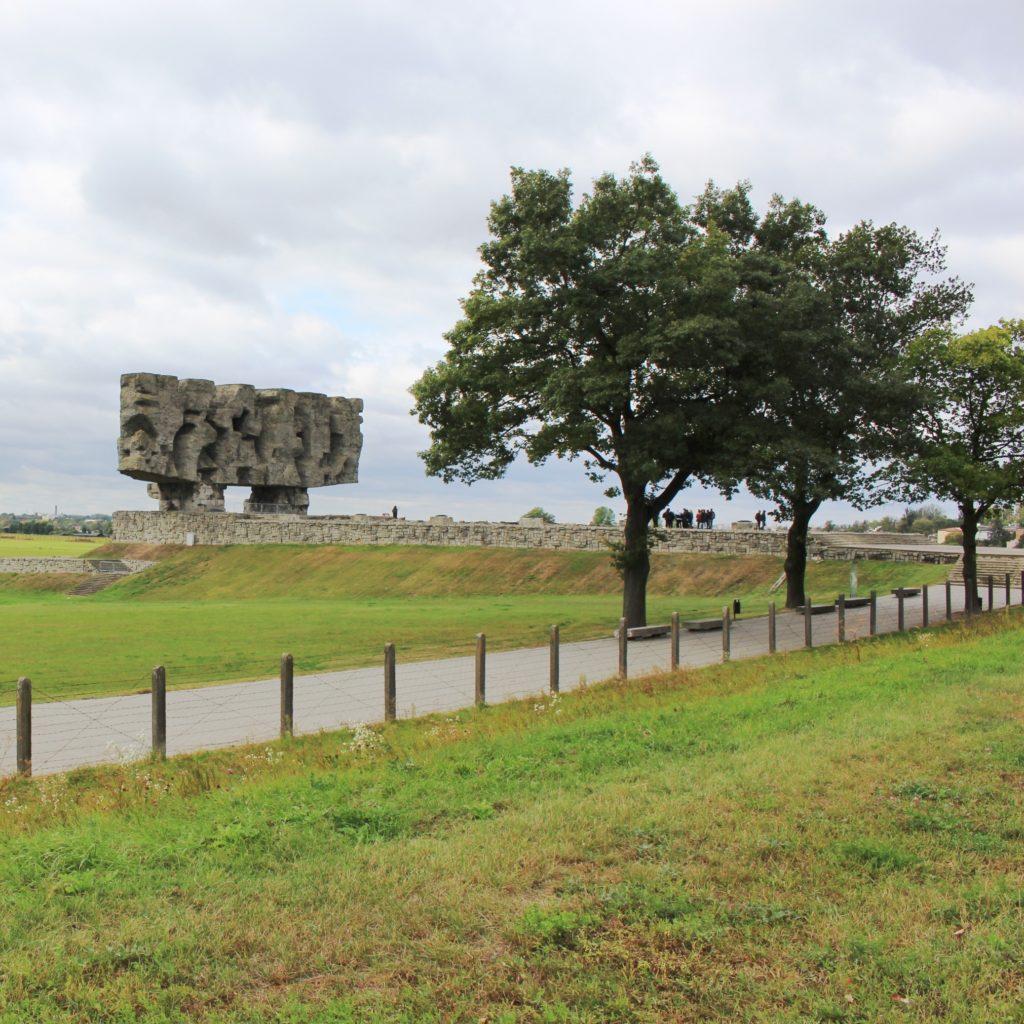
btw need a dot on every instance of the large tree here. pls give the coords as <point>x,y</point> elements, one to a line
<point>603,330</point>
<point>966,442</point>
<point>830,317</point>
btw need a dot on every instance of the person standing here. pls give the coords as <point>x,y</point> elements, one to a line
<point>394,511</point>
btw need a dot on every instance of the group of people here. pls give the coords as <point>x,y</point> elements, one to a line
<point>703,519</point>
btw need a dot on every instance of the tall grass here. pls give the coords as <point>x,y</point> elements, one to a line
<point>824,836</point>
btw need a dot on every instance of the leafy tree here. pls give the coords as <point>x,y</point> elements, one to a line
<point>604,516</point>
<point>831,316</point>
<point>966,444</point>
<point>538,513</point>
<point>603,331</point>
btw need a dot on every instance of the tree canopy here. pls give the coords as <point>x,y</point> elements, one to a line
<point>830,318</point>
<point>603,330</point>
<point>966,442</point>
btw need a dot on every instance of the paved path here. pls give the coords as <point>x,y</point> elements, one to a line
<point>68,734</point>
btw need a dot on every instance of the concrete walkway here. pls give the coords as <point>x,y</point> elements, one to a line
<point>72,733</point>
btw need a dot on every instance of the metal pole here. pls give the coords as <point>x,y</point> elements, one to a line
<point>873,614</point>
<point>480,688</point>
<point>673,656</point>
<point>390,687</point>
<point>159,712</point>
<point>553,661</point>
<point>841,618</point>
<point>1007,590</point>
<point>771,628</point>
<point>990,589</point>
<point>900,618</point>
<point>287,694</point>
<point>949,601</point>
<point>924,606</point>
<point>623,666</point>
<point>23,714</point>
<point>726,634</point>
<point>808,632</point>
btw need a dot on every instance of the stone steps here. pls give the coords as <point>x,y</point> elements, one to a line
<point>996,566</point>
<point>96,582</point>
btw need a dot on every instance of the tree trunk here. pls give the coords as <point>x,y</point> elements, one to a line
<point>796,553</point>
<point>969,525</point>
<point>635,561</point>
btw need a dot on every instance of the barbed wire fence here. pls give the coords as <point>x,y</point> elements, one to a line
<point>44,731</point>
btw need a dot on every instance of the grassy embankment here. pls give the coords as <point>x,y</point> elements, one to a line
<point>29,545</point>
<point>832,835</point>
<point>217,614</point>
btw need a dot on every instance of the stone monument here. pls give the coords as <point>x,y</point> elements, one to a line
<point>192,438</point>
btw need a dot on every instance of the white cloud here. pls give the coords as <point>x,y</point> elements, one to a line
<point>291,193</point>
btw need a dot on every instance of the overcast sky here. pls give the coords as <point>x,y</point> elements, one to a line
<point>292,193</point>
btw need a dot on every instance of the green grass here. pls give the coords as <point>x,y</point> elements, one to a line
<point>26,545</point>
<point>824,836</point>
<point>212,615</point>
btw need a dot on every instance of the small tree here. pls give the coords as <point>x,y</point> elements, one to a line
<point>966,445</point>
<point>538,513</point>
<point>604,516</point>
<point>603,331</point>
<point>830,317</point>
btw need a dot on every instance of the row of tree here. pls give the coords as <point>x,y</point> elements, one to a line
<point>664,343</point>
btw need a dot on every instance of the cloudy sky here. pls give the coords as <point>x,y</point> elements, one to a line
<point>292,193</point>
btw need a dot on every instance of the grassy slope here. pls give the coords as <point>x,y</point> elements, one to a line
<point>220,614</point>
<point>826,836</point>
<point>25,545</point>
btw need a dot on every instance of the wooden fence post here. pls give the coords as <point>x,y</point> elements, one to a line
<point>673,656</point>
<point>990,593</point>
<point>726,634</point>
<point>924,606</point>
<point>480,688</point>
<point>553,661</point>
<point>873,614</point>
<point>808,630</point>
<point>390,687</point>
<point>841,618</point>
<point>159,712</point>
<point>287,694</point>
<point>949,601</point>
<point>23,713</point>
<point>900,610</point>
<point>1007,590</point>
<point>771,628</point>
<point>623,667</point>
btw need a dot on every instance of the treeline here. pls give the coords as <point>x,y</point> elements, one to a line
<point>664,343</point>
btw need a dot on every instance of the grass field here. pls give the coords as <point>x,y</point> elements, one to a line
<point>26,545</point>
<point>223,614</point>
<point>832,835</point>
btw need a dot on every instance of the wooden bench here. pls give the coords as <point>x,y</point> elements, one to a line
<point>907,592</point>
<point>857,602</point>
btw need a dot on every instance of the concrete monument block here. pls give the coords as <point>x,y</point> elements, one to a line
<point>192,438</point>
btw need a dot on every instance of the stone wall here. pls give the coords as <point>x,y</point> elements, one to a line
<point>897,553</point>
<point>73,566</point>
<point>235,528</point>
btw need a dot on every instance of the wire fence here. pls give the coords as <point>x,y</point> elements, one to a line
<point>47,732</point>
